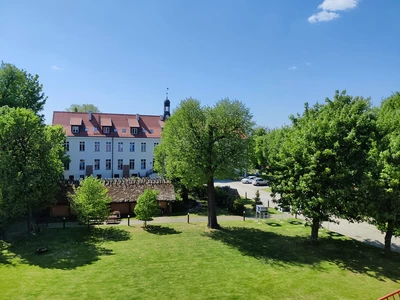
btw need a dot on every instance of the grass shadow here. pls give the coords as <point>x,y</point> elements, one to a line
<point>293,222</point>
<point>284,250</point>
<point>332,233</point>
<point>161,230</point>
<point>67,248</point>
<point>273,224</point>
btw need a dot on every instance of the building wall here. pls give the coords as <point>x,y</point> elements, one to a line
<point>89,155</point>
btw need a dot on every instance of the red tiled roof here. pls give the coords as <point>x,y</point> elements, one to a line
<point>133,123</point>
<point>120,127</point>
<point>75,121</point>
<point>105,121</point>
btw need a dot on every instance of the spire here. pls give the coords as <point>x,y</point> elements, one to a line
<point>167,105</point>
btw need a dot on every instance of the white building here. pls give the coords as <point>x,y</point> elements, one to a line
<point>110,145</point>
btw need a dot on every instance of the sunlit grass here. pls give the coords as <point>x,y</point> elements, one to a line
<point>268,259</point>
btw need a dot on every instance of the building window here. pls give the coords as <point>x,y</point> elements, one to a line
<point>97,164</point>
<point>106,130</point>
<point>120,164</point>
<point>134,130</point>
<point>143,164</point>
<point>81,146</point>
<point>143,147</point>
<point>66,166</point>
<point>108,146</point>
<point>98,176</point>
<point>75,129</point>
<point>108,164</point>
<point>82,164</point>
<point>120,146</point>
<point>96,146</point>
<point>155,144</point>
<point>66,146</point>
<point>132,164</point>
<point>132,147</point>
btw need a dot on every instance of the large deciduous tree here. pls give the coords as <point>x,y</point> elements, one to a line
<point>382,187</point>
<point>90,200</point>
<point>320,165</point>
<point>200,144</point>
<point>83,108</point>
<point>31,166</point>
<point>18,88</point>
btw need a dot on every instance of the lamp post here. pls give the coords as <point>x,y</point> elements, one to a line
<point>188,218</point>
<point>129,220</point>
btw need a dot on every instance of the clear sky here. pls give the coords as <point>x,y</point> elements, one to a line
<point>273,55</point>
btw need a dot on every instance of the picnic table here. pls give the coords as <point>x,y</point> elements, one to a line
<point>113,219</point>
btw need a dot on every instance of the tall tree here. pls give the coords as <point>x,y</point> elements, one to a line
<point>382,187</point>
<point>31,166</point>
<point>147,206</point>
<point>18,88</point>
<point>202,143</point>
<point>83,108</point>
<point>320,165</point>
<point>90,200</point>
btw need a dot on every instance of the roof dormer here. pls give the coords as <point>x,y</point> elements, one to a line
<point>76,124</point>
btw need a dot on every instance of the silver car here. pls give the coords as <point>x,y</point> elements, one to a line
<point>260,181</point>
<point>248,179</point>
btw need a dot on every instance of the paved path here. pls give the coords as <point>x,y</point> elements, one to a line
<point>363,232</point>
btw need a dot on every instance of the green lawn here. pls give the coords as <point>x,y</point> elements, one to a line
<point>246,260</point>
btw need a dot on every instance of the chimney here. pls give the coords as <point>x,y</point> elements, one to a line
<point>137,117</point>
<point>90,116</point>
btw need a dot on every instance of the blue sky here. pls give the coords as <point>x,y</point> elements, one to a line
<point>272,55</point>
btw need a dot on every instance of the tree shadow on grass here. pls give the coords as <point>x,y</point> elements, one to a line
<point>285,251</point>
<point>161,230</point>
<point>273,224</point>
<point>67,248</point>
<point>294,222</point>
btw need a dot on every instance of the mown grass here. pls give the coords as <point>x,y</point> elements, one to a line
<point>269,259</point>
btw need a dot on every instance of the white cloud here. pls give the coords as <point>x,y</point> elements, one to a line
<point>55,68</point>
<point>323,16</point>
<point>334,5</point>
<point>329,8</point>
<point>293,68</point>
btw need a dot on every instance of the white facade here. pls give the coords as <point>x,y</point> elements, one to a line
<point>95,148</point>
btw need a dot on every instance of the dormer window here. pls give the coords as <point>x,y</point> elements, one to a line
<point>106,124</point>
<point>75,129</point>
<point>75,124</point>
<point>134,125</point>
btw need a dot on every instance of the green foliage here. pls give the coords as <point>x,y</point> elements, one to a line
<point>257,200</point>
<point>147,206</point>
<point>226,198</point>
<point>90,200</point>
<point>83,108</point>
<point>18,88</point>
<point>31,156</point>
<point>203,143</point>
<point>320,163</point>
<point>382,186</point>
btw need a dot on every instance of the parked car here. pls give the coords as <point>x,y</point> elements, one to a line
<point>260,181</point>
<point>248,179</point>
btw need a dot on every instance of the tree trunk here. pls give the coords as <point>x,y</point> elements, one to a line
<point>145,224</point>
<point>29,218</point>
<point>185,194</point>
<point>212,211</point>
<point>388,235</point>
<point>314,231</point>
